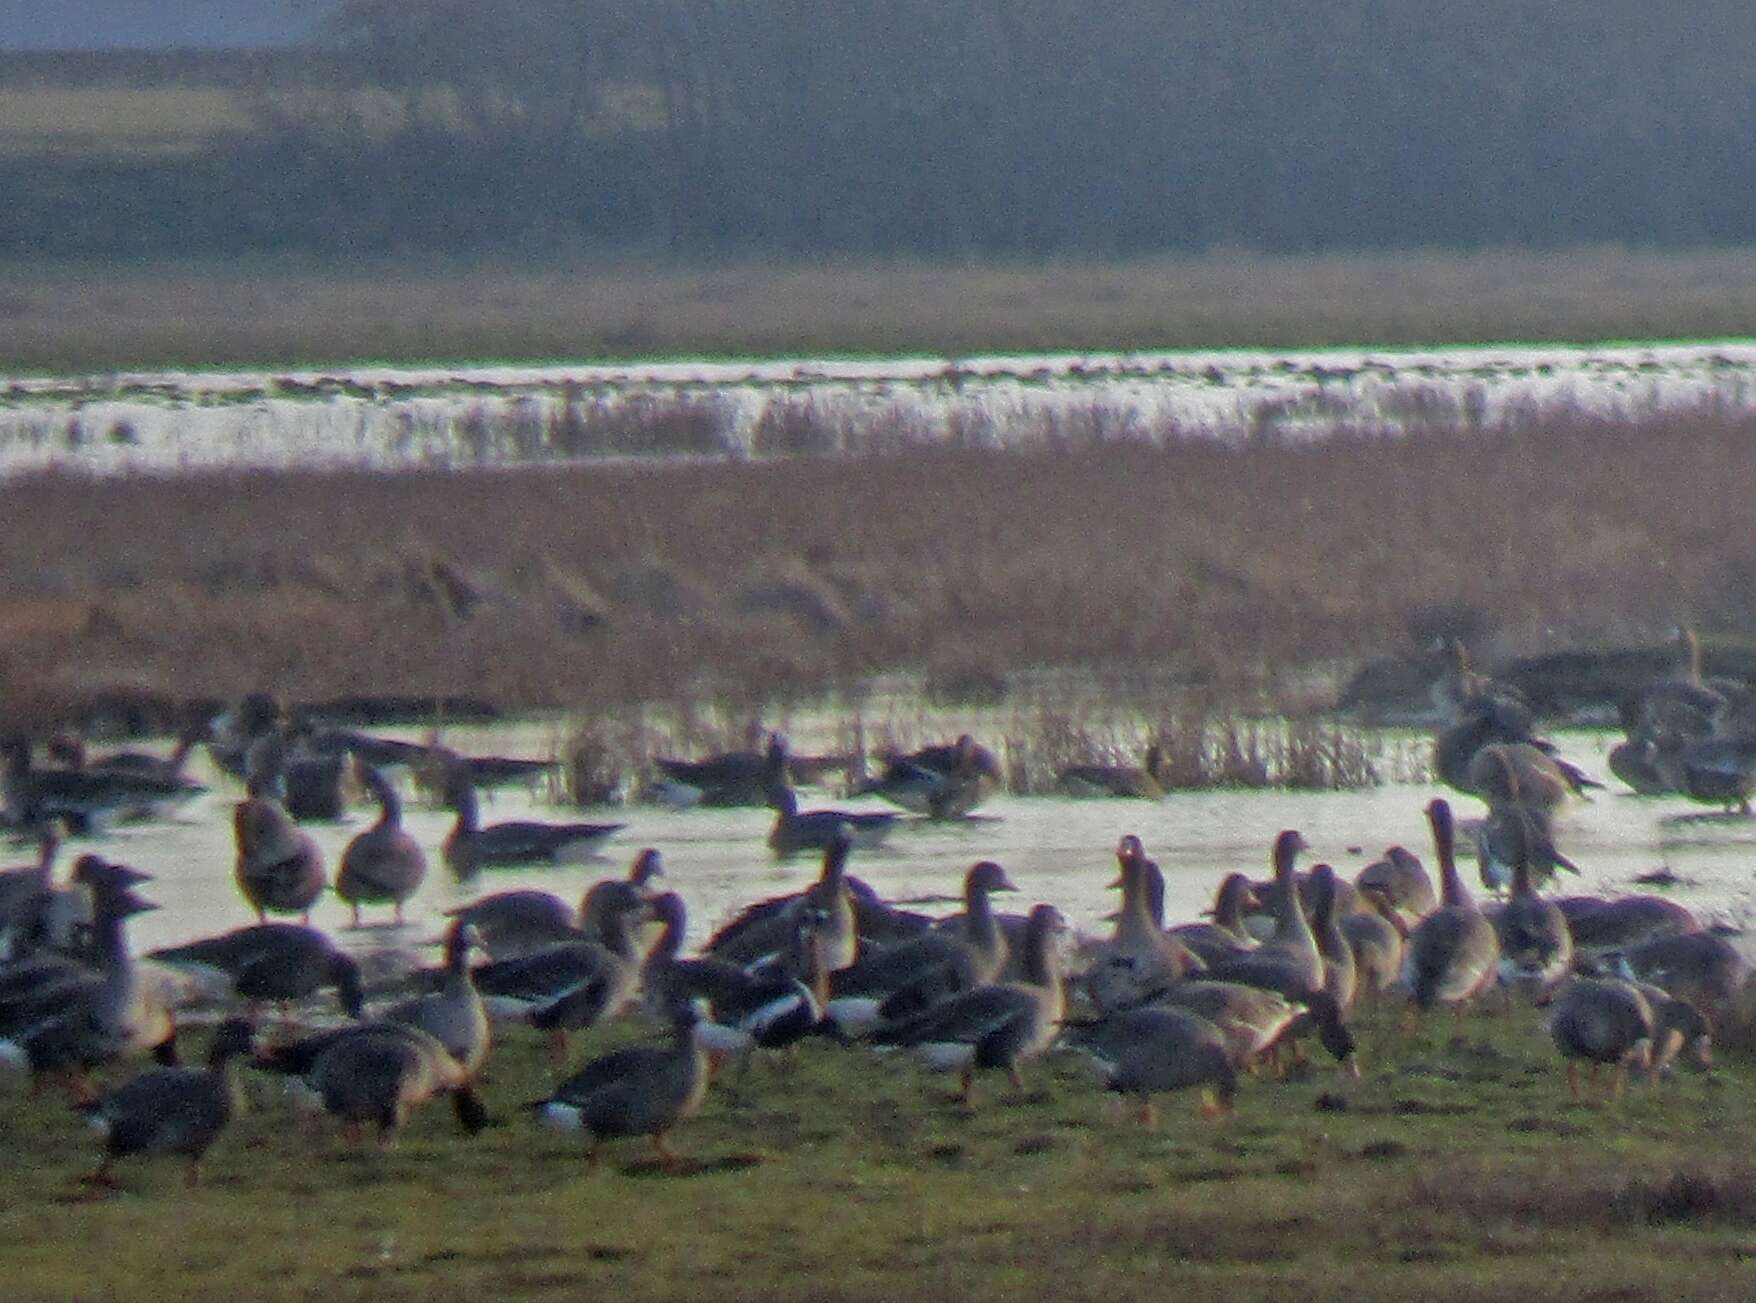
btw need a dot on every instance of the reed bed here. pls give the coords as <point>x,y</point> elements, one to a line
<point>1189,579</point>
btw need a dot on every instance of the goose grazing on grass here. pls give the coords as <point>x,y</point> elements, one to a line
<point>375,1074</point>
<point>453,1015</point>
<point>1139,960</point>
<point>635,1091</point>
<point>997,1026</point>
<point>1452,954</point>
<point>384,864</point>
<point>275,962</point>
<point>1146,1052</point>
<point>811,830</point>
<point>1254,1021</point>
<point>173,1110</point>
<point>894,981</point>
<point>1402,881</point>
<point>279,867</point>
<point>1148,781</point>
<point>1601,1021</point>
<point>470,847</point>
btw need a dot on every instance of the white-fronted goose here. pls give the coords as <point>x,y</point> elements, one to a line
<point>453,1015</point>
<point>634,1091</point>
<point>1519,772</point>
<point>1146,1052</point>
<point>1340,976</point>
<point>1536,945</point>
<point>279,866</point>
<point>384,864</point>
<point>173,1110</point>
<point>899,980</point>
<point>1254,1020</point>
<point>375,1074</point>
<point>84,800</point>
<point>513,924</point>
<point>573,985</point>
<point>1511,832</point>
<point>795,830</point>
<point>1601,1021</point>
<point>1453,952</point>
<point>1000,1025</point>
<point>470,847</point>
<point>1139,960</point>
<point>1625,922</point>
<point>1377,939</point>
<point>274,962</point>
<point>1149,780</point>
<point>731,778</point>
<point>1227,935</point>
<point>1484,723</point>
<point>1700,967</point>
<point>1720,771</point>
<point>1402,881</point>
<point>1288,961</point>
<point>943,781</point>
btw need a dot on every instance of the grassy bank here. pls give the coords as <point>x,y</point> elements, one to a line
<point>1457,1169</point>
<point>1185,576</point>
<point>62,318</point>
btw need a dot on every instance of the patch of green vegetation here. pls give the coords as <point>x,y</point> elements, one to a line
<point>1457,1168</point>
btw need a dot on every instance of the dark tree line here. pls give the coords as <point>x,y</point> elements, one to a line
<point>964,127</point>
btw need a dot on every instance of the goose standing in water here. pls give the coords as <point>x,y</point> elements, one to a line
<point>940,781</point>
<point>732,778</point>
<point>470,847</point>
<point>1452,954</point>
<point>173,1110</point>
<point>279,867</point>
<point>1001,1025</point>
<point>384,863</point>
<point>1148,781</point>
<point>796,831</point>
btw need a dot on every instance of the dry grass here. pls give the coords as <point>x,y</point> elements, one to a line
<point>1216,580</point>
<point>72,318</point>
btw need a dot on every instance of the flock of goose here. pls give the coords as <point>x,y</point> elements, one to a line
<point>1632,983</point>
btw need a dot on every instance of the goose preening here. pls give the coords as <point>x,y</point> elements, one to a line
<point>279,866</point>
<point>384,864</point>
<point>999,1025</point>
<point>1452,953</point>
<point>173,1110</point>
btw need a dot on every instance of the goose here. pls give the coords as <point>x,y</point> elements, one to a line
<point>1680,705</point>
<point>1601,1020</point>
<point>1700,967</point>
<point>572,985</point>
<point>1513,831</point>
<point>1139,960</point>
<point>34,911</point>
<point>1521,772</point>
<point>1254,1020</point>
<point>155,774</point>
<point>1719,771</point>
<point>888,982</point>
<point>772,1010</point>
<point>173,1110</point>
<point>1289,960</point>
<point>634,1091</point>
<point>796,831</point>
<point>92,1020</point>
<point>310,786</point>
<point>279,866</point>
<point>1453,952</point>
<point>513,924</point>
<point>1377,937</point>
<point>231,734</point>
<point>1485,723</point>
<point>667,979</point>
<point>82,799</point>
<point>646,868</point>
<point>1340,975</point>
<point>1148,781</point>
<point>454,1015</point>
<point>942,781</point>
<point>1536,945</point>
<point>442,764</point>
<point>1648,764</point>
<point>1145,1052</point>
<point>272,961</point>
<point>1227,934</point>
<point>470,847</point>
<point>376,1073</point>
<point>1402,881</point>
<point>384,863</point>
<point>1624,923</point>
<point>999,1025</point>
<point>732,778</point>
<point>762,928</point>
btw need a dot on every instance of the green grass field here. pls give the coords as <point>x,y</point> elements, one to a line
<point>1456,1169</point>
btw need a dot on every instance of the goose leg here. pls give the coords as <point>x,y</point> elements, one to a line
<point>194,1177</point>
<point>667,1156</point>
<point>1148,1115</point>
<point>1573,1081</point>
<point>558,1047</point>
<point>966,1084</point>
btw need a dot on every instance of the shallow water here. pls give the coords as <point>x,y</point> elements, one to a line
<point>1055,849</point>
